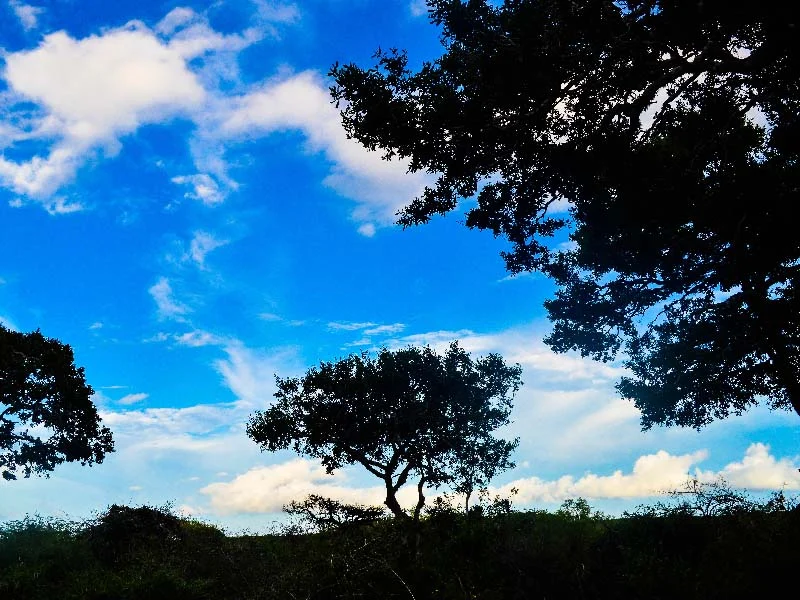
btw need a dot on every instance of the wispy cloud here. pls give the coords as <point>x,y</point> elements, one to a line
<point>8,323</point>
<point>167,306</point>
<point>28,15</point>
<point>302,102</point>
<point>203,187</point>
<point>385,329</point>
<point>275,318</point>
<point>349,326</point>
<point>132,399</point>
<point>202,243</point>
<point>418,8</point>
<point>250,373</point>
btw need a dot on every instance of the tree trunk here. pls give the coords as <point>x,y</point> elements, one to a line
<point>391,501</point>
<point>421,499</point>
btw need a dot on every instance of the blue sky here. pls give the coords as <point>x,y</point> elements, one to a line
<point>179,203</point>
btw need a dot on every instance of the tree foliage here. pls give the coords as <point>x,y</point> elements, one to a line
<point>317,513</point>
<point>670,129</point>
<point>402,415</point>
<point>47,416</point>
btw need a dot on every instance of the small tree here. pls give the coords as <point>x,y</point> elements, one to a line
<point>407,414</point>
<point>41,388</point>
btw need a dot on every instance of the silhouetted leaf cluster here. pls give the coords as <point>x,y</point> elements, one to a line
<point>670,129</point>
<point>47,416</point>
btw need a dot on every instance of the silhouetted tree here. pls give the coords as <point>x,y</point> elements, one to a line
<point>670,129</point>
<point>403,414</point>
<point>46,412</point>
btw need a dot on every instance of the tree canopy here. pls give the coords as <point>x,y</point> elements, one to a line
<point>402,415</point>
<point>670,129</point>
<point>47,415</point>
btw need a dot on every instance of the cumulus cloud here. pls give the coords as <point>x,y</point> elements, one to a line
<point>656,473</point>
<point>759,470</point>
<point>651,475</point>
<point>90,92</point>
<point>267,488</point>
<point>167,306</point>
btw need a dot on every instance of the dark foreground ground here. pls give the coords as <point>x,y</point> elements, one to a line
<point>748,551</point>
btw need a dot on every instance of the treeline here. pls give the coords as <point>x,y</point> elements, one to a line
<point>707,545</point>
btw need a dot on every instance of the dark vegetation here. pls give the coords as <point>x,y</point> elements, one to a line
<point>40,387</point>
<point>404,415</point>
<point>709,542</point>
<point>685,260</point>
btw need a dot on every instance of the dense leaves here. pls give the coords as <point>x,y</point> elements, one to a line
<point>750,551</point>
<point>669,129</point>
<point>402,415</point>
<point>46,412</point>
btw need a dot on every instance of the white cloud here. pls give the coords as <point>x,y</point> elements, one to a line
<point>175,19</point>
<point>661,472</point>
<point>202,243</point>
<point>203,188</point>
<point>268,489</point>
<point>168,307</point>
<point>349,326</point>
<point>132,399</point>
<point>96,325</point>
<point>151,425</point>
<point>198,338</point>
<point>367,230</point>
<point>250,374</point>
<point>759,470</point>
<point>191,35</point>
<point>302,102</point>
<point>276,12</point>
<point>28,15</point>
<point>385,329</point>
<point>521,345</point>
<point>92,91</point>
